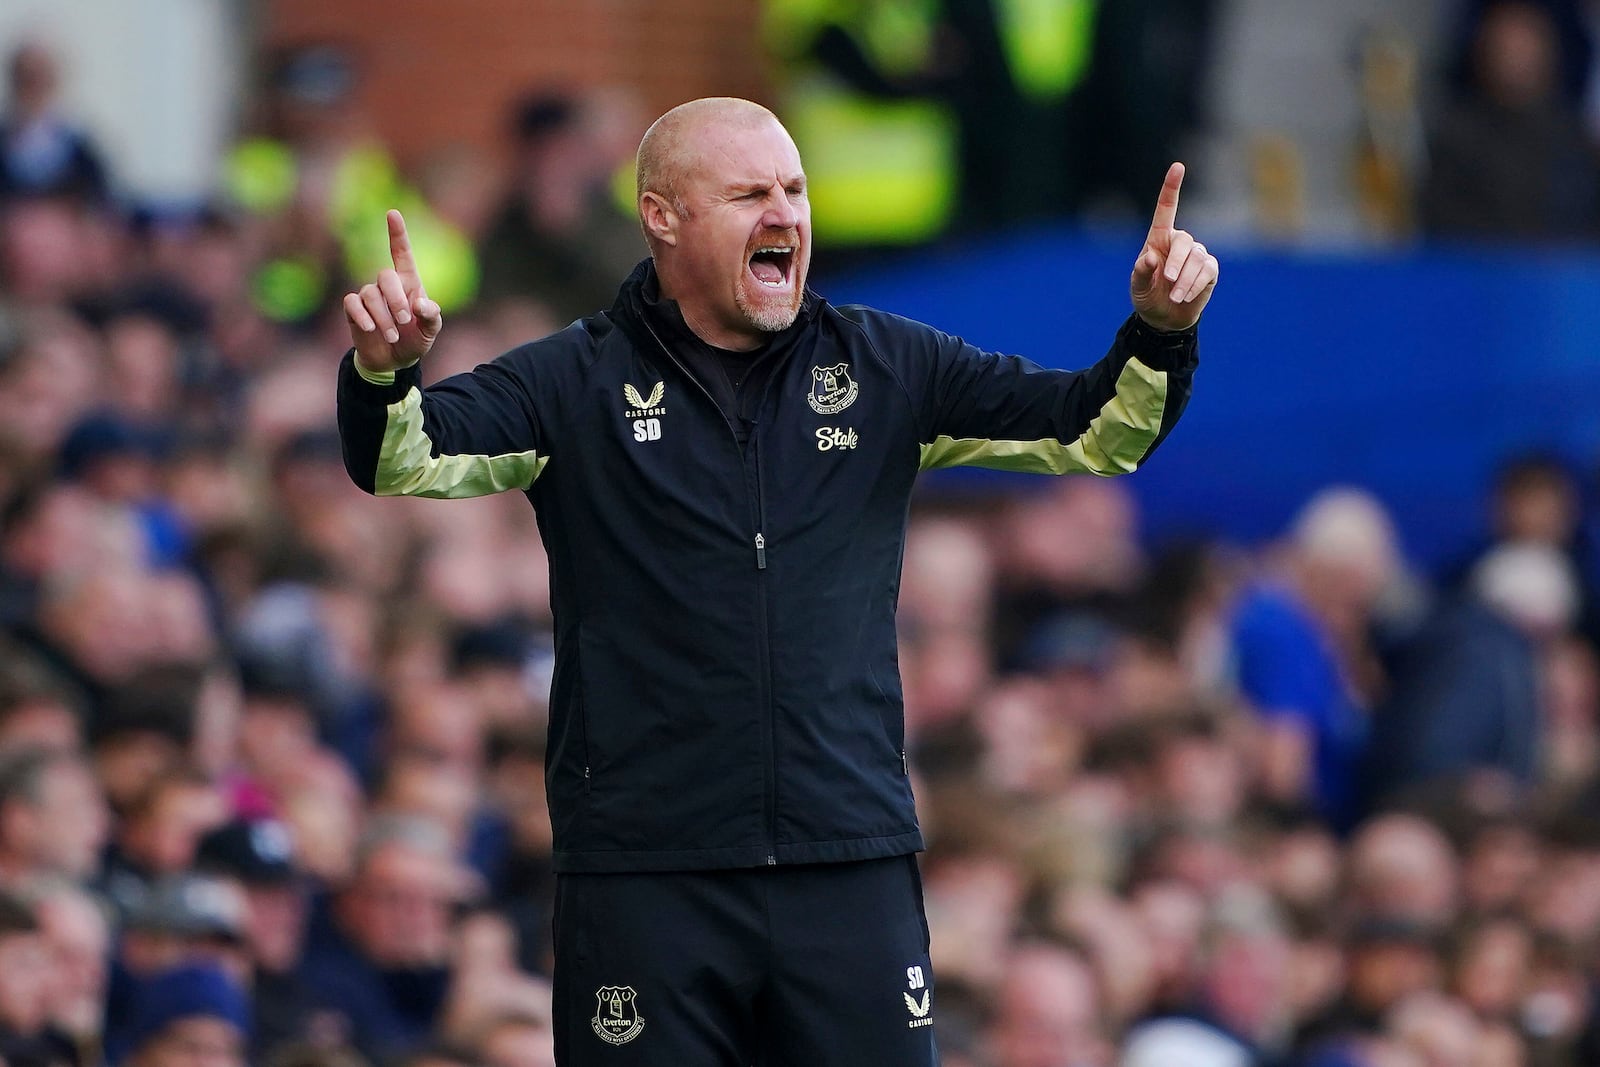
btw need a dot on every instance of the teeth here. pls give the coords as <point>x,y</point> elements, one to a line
<point>781,283</point>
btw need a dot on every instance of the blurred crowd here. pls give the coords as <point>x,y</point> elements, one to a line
<point>1373,121</point>
<point>271,750</point>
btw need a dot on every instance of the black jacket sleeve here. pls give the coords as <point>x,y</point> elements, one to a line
<point>469,435</point>
<point>985,409</point>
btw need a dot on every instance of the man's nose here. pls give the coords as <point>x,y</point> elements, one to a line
<point>781,214</point>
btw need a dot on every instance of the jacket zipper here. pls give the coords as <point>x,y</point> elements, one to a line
<point>750,458</point>
<point>764,644</point>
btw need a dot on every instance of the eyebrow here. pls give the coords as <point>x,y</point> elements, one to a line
<point>756,185</point>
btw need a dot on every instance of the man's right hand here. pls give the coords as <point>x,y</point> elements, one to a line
<point>392,322</point>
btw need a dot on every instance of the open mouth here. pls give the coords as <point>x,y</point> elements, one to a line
<point>773,265</point>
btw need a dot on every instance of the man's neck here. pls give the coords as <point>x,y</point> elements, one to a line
<point>705,327</point>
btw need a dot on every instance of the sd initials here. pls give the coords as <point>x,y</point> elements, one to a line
<point>647,429</point>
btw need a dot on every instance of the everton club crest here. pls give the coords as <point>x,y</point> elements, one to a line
<point>616,1017</point>
<point>832,389</point>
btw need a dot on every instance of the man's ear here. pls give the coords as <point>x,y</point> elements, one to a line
<point>659,218</point>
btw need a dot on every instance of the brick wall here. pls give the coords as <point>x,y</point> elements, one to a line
<point>442,71</point>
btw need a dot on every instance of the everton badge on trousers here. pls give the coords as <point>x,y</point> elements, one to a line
<point>616,1016</point>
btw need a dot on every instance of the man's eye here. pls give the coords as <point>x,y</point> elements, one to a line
<point>753,196</point>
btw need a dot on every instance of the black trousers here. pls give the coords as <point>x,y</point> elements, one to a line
<point>798,966</point>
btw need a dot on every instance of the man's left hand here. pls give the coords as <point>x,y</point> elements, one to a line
<point>1174,276</point>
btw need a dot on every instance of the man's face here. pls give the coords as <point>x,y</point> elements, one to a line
<point>399,910</point>
<point>196,1041</point>
<point>73,809</point>
<point>744,240</point>
<point>23,997</point>
<point>275,924</point>
<point>75,937</point>
<point>163,839</point>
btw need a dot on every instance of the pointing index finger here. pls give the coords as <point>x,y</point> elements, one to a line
<point>405,264</point>
<point>1166,217</point>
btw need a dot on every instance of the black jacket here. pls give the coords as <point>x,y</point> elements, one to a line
<point>726,688</point>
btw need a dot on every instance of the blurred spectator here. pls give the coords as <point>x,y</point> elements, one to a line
<point>25,1037</point>
<point>381,963</point>
<point>1536,499</point>
<point>1510,158</point>
<point>41,153</point>
<point>487,993</point>
<point>1465,693</point>
<point>520,1040</point>
<point>313,176</point>
<point>141,734</point>
<point>1572,25</point>
<point>75,929</point>
<point>189,1017</point>
<point>943,620</point>
<point>36,709</point>
<point>978,113</point>
<point>257,856</point>
<point>1241,1016</point>
<point>1141,98</point>
<point>1402,867</point>
<point>560,239</point>
<point>1387,961</point>
<point>524,885</point>
<point>159,833</point>
<point>500,666</point>
<point>1048,1011</point>
<point>53,819</point>
<point>1301,652</point>
<point>860,92</point>
<point>181,918</point>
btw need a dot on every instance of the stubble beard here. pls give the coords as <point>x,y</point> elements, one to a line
<point>765,317</point>
<point>759,306</point>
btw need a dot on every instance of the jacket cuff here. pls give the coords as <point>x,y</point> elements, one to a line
<point>1159,349</point>
<point>363,385</point>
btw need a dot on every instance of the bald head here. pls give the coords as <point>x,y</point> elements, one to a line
<point>723,205</point>
<point>674,143</point>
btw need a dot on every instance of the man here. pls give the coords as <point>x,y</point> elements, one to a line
<point>721,466</point>
<point>257,858</point>
<point>41,153</point>
<point>1240,1014</point>
<point>74,928</point>
<point>191,1016</point>
<point>26,1039</point>
<point>160,832</point>
<point>377,963</point>
<point>53,818</point>
<point>1048,1010</point>
<point>179,921</point>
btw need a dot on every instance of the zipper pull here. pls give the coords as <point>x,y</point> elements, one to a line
<point>905,765</point>
<point>761,552</point>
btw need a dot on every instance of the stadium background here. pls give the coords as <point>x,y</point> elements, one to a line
<point>1282,752</point>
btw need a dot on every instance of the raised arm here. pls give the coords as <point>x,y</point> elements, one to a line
<point>985,409</point>
<point>470,435</point>
<point>1174,276</point>
<point>392,322</point>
